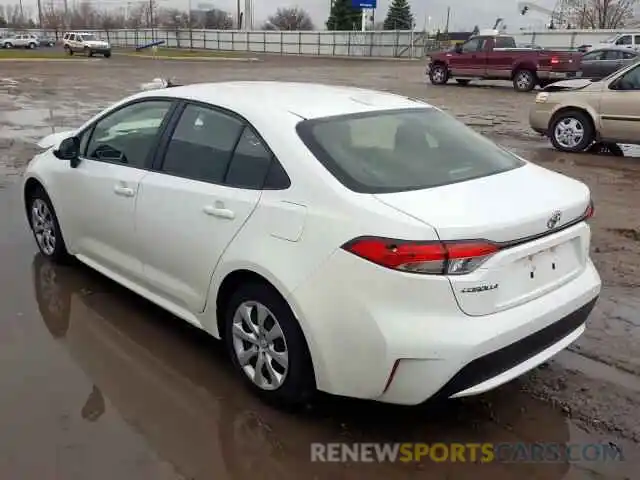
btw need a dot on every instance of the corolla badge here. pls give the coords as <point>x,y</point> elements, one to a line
<point>554,219</point>
<point>480,288</point>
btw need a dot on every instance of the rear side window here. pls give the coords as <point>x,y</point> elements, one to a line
<point>629,55</point>
<point>250,163</point>
<point>505,42</point>
<point>401,150</point>
<point>612,55</point>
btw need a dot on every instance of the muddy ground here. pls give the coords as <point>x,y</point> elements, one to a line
<point>96,383</point>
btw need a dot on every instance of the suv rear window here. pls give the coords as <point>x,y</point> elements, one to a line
<point>401,150</point>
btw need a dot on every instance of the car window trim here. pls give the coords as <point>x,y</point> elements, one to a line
<point>163,144</point>
<point>148,162</point>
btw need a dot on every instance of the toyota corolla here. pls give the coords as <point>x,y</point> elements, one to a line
<point>337,239</point>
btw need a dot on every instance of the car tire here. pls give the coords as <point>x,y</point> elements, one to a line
<point>107,55</point>
<point>439,74</point>
<point>462,81</point>
<point>296,384</point>
<point>8,45</point>
<point>524,80</point>
<point>32,46</point>
<point>88,52</point>
<point>67,49</point>
<point>45,227</point>
<point>571,131</point>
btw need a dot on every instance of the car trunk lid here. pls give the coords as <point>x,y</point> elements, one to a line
<point>526,211</point>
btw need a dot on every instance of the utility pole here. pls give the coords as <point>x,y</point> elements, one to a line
<point>238,19</point>
<point>446,28</point>
<point>40,14</point>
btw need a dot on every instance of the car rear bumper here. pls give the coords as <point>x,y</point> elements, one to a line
<point>554,75</point>
<point>406,343</point>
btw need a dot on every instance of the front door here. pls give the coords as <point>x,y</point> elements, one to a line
<point>99,196</point>
<point>193,206</point>
<point>471,61</point>
<point>620,108</point>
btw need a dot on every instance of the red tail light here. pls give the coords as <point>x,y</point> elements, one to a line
<point>589,211</point>
<point>435,258</point>
<point>555,60</point>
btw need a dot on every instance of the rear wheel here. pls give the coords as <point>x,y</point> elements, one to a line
<point>267,346</point>
<point>32,45</point>
<point>8,45</point>
<point>107,54</point>
<point>88,52</point>
<point>67,49</point>
<point>571,131</point>
<point>439,74</point>
<point>462,81</point>
<point>524,80</point>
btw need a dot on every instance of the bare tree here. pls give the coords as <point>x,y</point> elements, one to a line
<point>289,19</point>
<point>53,19</point>
<point>608,14</point>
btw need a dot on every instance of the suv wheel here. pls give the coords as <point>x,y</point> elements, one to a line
<point>32,45</point>
<point>67,49</point>
<point>8,45</point>
<point>88,52</point>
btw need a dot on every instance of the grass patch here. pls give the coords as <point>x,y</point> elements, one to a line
<point>35,54</point>
<point>185,53</point>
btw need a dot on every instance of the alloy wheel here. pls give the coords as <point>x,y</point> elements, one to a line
<point>569,132</point>
<point>260,346</point>
<point>44,227</point>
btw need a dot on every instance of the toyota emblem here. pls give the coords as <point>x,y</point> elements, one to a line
<point>554,219</point>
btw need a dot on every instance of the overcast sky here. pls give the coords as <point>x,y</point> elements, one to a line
<point>464,13</point>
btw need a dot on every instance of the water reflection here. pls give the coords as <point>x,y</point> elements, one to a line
<point>173,385</point>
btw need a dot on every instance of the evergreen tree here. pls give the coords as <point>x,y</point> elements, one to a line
<point>399,16</point>
<point>343,16</point>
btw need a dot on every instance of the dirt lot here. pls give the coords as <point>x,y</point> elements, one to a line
<point>96,383</point>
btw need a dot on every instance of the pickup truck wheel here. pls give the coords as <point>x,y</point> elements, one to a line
<point>571,131</point>
<point>462,81</point>
<point>524,80</point>
<point>439,75</point>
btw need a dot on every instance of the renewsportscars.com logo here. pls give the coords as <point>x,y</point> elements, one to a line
<point>517,452</point>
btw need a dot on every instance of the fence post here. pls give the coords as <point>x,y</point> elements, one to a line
<point>218,38</point>
<point>264,42</point>
<point>248,49</point>
<point>299,43</point>
<point>318,33</point>
<point>349,43</point>
<point>334,44</point>
<point>281,42</point>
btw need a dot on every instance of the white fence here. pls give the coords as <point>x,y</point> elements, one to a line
<point>332,43</point>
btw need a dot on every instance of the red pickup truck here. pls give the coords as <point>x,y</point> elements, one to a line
<point>496,57</point>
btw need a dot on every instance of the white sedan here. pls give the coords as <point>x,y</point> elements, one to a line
<point>337,239</point>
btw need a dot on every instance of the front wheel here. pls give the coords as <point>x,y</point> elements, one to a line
<point>524,80</point>
<point>32,46</point>
<point>8,45</point>
<point>267,346</point>
<point>45,226</point>
<point>571,131</point>
<point>107,54</point>
<point>439,74</point>
<point>67,49</point>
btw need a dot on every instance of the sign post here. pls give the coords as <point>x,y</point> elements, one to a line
<point>364,5</point>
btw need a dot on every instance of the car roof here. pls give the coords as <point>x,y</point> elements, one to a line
<point>306,100</point>
<point>614,48</point>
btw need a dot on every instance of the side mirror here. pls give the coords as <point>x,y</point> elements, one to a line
<point>69,149</point>
<point>458,48</point>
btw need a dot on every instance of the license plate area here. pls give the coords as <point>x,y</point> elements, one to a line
<point>536,273</point>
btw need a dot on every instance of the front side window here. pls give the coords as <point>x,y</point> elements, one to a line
<point>613,55</point>
<point>128,135</point>
<point>202,144</point>
<point>630,80</point>
<point>401,150</point>
<point>591,56</point>
<point>625,40</point>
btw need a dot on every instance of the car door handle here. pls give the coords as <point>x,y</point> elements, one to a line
<point>123,191</point>
<point>219,212</point>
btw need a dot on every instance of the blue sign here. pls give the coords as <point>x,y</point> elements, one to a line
<point>364,3</point>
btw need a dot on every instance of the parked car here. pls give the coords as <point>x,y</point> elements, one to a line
<point>47,41</point>
<point>232,205</point>
<point>600,63</point>
<point>86,43</point>
<point>576,113</point>
<point>21,40</point>
<point>496,57</point>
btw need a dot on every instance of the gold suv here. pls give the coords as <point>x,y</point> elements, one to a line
<point>575,114</point>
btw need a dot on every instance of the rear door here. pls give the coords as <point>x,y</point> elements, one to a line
<point>591,64</point>
<point>204,189</point>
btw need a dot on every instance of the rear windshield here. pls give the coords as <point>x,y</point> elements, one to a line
<point>400,150</point>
